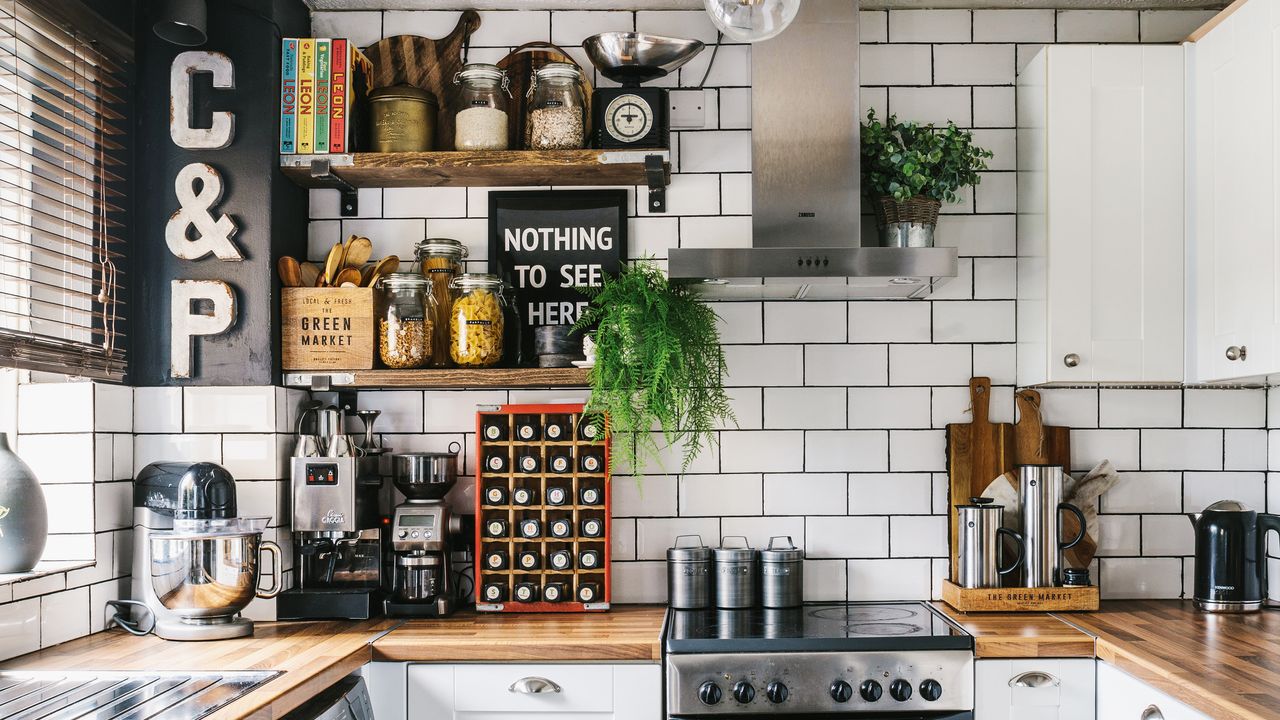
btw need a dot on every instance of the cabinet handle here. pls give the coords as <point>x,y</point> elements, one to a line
<point>1238,352</point>
<point>1034,679</point>
<point>1152,713</point>
<point>533,686</point>
<point>1071,360</point>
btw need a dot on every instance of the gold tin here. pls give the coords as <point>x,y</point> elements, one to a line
<point>403,119</point>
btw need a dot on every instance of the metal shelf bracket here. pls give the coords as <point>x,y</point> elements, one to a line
<point>322,174</point>
<point>655,175</point>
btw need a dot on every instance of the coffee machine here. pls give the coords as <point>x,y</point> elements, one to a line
<point>337,523</point>
<point>424,533</point>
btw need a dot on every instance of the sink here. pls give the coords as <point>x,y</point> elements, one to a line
<point>92,695</point>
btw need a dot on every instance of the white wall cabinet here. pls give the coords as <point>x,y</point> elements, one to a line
<point>1100,215</point>
<point>1039,689</point>
<point>1123,697</point>
<point>1233,247</point>
<point>541,691</point>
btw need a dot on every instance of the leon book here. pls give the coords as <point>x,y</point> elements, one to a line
<point>338,96</point>
<point>307,95</point>
<point>289,96</point>
<point>322,95</point>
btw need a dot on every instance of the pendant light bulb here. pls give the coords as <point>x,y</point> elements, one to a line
<point>751,20</point>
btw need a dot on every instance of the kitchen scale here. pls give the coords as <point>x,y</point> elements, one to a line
<point>634,116</point>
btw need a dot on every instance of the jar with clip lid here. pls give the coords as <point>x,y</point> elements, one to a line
<point>406,318</point>
<point>440,261</point>
<point>477,320</point>
<point>481,122</point>
<point>557,109</point>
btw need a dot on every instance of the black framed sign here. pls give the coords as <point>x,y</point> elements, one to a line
<point>548,243</point>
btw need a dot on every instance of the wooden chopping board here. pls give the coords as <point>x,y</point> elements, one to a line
<point>977,453</point>
<point>1040,444</point>
<point>427,64</point>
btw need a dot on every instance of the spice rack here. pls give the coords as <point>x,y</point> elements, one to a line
<point>510,495</point>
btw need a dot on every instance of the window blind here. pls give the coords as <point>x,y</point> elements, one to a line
<point>63,135</point>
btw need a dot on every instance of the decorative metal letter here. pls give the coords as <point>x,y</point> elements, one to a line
<point>215,235</point>
<point>184,66</point>
<point>186,324</point>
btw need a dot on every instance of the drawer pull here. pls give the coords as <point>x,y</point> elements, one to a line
<point>1034,679</point>
<point>1152,713</point>
<point>533,686</point>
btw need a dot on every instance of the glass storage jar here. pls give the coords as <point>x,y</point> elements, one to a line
<point>440,260</point>
<point>481,122</point>
<point>477,320</point>
<point>406,318</point>
<point>557,109</point>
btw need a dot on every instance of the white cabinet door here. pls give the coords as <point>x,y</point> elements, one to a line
<point>1106,225</point>
<point>508,692</point>
<point>1233,248</point>
<point>1123,697</point>
<point>1040,689</point>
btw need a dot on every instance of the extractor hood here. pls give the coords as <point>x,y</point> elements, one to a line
<point>806,210</point>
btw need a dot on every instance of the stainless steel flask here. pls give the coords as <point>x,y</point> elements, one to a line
<point>981,527</point>
<point>1040,488</point>
<point>688,575</point>
<point>735,574</point>
<point>781,574</point>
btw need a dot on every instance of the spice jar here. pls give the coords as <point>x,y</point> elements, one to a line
<point>476,321</point>
<point>481,122</point>
<point>402,119</point>
<point>781,574</point>
<point>557,109</point>
<point>406,318</point>
<point>440,260</point>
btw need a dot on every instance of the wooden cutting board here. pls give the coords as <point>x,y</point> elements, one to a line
<point>977,453</point>
<point>1040,444</point>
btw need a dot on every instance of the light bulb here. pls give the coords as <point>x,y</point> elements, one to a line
<point>751,20</point>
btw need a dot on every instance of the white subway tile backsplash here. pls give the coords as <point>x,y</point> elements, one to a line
<point>824,581</point>
<point>1202,489</point>
<point>847,537</point>
<point>937,105</point>
<point>713,151</point>
<point>891,579</point>
<point>805,494</point>
<point>895,64</point>
<point>762,451</point>
<point>978,235</point>
<point>229,409</point>
<point>998,362</point>
<point>640,582</point>
<point>973,64</point>
<point>907,407</point>
<point>1225,408</point>
<point>1159,26</point>
<point>423,202</point>
<point>1013,26</point>
<point>361,28</point>
<point>1145,492</point>
<point>1140,408</point>
<point>917,450</point>
<point>402,410</point>
<point>692,24</point>
<point>56,407</point>
<point>71,507</point>
<point>804,408</point>
<point>19,628</point>
<point>714,495</point>
<point>930,364</point>
<point>809,322</point>
<point>993,107</point>
<point>717,232</point>
<point>747,405</point>
<point>890,493</point>
<point>64,616</point>
<point>569,28</point>
<point>885,322</point>
<point>929,26</point>
<point>1070,407</point>
<point>996,193</point>
<point>1244,450</point>
<point>1097,26</point>
<point>974,321</point>
<point>59,458</point>
<point>175,448</point>
<point>759,530</point>
<point>1167,535</point>
<point>844,365</point>
<point>1181,449</point>
<point>646,496</point>
<point>767,365</point>
<point>918,536</point>
<point>993,278</point>
<point>690,194</point>
<point>846,451</point>
<point>740,323</point>
<point>1124,578</point>
<point>1119,535</point>
<point>1090,447</point>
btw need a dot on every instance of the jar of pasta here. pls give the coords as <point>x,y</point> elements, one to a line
<point>440,260</point>
<point>406,319</point>
<point>477,320</point>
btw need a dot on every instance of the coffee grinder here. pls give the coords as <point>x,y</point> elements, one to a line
<point>423,534</point>
<point>633,116</point>
<point>337,523</point>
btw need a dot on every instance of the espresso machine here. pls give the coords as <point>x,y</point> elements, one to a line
<point>337,520</point>
<point>424,533</point>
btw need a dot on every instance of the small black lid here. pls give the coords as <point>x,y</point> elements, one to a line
<point>186,491</point>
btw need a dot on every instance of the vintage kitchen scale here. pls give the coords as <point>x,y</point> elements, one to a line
<point>634,116</point>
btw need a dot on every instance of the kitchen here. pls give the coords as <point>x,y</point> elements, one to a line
<point>841,407</point>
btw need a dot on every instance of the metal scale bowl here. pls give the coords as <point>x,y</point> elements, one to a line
<point>633,116</point>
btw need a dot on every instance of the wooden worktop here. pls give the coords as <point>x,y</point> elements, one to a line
<point>626,633</point>
<point>1021,635</point>
<point>1226,666</point>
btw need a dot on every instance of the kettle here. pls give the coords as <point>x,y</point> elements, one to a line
<point>1231,568</point>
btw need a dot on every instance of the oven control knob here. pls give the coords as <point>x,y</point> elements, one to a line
<point>870,690</point>
<point>743,692</point>
<point>841,691</point>
<point>931,690</point>
<point>900,690</point>
<point>777,692</point>
<point>709,693</point>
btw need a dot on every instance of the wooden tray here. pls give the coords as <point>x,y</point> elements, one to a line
<point>1055,599</point>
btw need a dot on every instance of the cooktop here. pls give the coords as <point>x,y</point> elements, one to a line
<point>814,627</point>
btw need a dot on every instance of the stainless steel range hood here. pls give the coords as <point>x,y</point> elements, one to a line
<point>805,117</point>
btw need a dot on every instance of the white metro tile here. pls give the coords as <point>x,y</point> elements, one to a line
<point>570,27</point>
<point>889,493</point>
<point>326,203</point>
<point>747,405</point>
<point>758,530</point>
<point>713,495</point>
<point>846,451</point>
<point>847,537</point>
<point>1101,26</point>
<point>19,628</point>
<point>1124,578</point>
<point>112,507</point>
<point>456,411</point>
<point>895,64</point>
<point>998,362</point>
<point>889,322</point>
<point>652,237</point>
<point>1202,489</point>
<point>1181,449</point>
<point>1090,447</point>
<point>670,458</point>
<point>846,365</point>
<point>804,408</point>
<point>974,321</point>
<point>912,26</point>
<point>740,322</point>
<point>1211,408</point>
<point>1119,535</point>
<point>622,539</point>
<point>715,151</point>
<point>402,410</point>
<point>508,28</point>
<point>252,456</point>
<point>805,322</point>
<point>936,105</point>
<point>734,113</point>
<point>112,408</point>
<point>1171,25</point>
<point>824,580</point>
<point>918,536</point>
<point>639,582</point>
<point>229,409</point>
<point>71,506</point>
<point>805,494</point>
<point>64,616</point>
<point>996,193</point>
<point>424,202</point>
<point>1069,407</point>
<point>58,458</point>
<point>361,28</point>
<point>930,364</point>
<point>693,24</point>
<point>1145,492</point>
<point>891,579</point>
<point>1167,535</point>
<point>873,26</point>
<point>719,231</point>
<point>994,106</point>
<point>646,496</point>
<point>978,235</point>
<point>735,189</point>
<point>973,64</point>
<point>1244,450</point>
<point>175,448</point>
<point>994,279</point>
<point>746,451</point>
<point>62,407</point>
<point>1008,25</point>
<point>764,365</point>
<point>1140,408</point>
<point>917,450</point>
<point>895,407</point>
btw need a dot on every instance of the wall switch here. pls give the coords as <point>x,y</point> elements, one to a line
<point>688,109</point>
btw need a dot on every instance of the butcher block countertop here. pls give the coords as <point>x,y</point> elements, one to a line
<point>625,633</point>
<point>1021,635</point>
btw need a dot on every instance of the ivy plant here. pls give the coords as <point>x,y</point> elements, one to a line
<point>906,159</point>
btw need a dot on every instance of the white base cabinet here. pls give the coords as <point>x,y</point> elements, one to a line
<point>505,691</point>
<point>1039,689</point>
<point>1124,697</point>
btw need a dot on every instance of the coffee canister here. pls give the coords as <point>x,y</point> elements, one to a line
<point>981,527</point>
<point>688,574</point>
<point>1040,490</point>
<point>781,574</point>
<point>735,583</point>
<point>402,119</point>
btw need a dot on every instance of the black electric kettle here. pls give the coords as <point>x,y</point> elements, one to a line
<point>1231,557</point>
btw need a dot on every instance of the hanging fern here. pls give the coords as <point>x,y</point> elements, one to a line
<point>659,364</point>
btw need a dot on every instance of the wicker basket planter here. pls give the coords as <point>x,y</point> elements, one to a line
<point>908,223</point>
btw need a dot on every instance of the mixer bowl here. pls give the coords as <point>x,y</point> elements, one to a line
<point>425,475</point>
<point>206,577</point>
<point>633,58</point>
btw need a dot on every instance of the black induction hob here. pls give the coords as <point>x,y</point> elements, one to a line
<point>822,627</point>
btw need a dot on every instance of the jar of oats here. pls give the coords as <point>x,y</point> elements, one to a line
<point>557,109</point>
<point>406,318</point>
<point>440,260</point>
<point>477,320</point>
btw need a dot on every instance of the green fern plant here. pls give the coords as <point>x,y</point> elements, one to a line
<point>659,364</point>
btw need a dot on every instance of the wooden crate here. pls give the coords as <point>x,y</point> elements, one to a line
<point>512,477</point>
<point>327,329</point>
<point>1050,599</point>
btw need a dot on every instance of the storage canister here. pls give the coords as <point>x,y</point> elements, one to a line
<point>781,574</point>
<point>481,122</point>
<point>476,320</point>
<point>735,581</point>
<point>403,119</point>
<point>557,109</point>
<point>406,320</point>
<point>689,575</point>
<point>440,260</point>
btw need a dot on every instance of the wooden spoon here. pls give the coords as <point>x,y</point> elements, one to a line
<point>386,265</point>
<point>333,264</point>
<point>358,252</point>
<point>290,272</point>
<point>310,274</point>
<point>348,275</point>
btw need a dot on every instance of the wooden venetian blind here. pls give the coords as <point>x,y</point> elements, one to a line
<point>63,126</point>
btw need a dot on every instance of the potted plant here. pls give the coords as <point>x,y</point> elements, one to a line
<point>909,170</point>
<point>659,365</point>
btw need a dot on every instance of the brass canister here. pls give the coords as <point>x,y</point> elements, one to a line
<point>403,119</point>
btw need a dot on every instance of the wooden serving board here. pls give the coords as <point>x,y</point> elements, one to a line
<point>977,453</point>
<point>1050,599</point>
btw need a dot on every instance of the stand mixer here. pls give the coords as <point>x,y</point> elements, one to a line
<point>634,116</point>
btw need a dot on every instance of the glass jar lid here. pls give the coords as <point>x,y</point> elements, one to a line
<point>403,281</point>
<point>558,70</point>
<point>440,246</point>
<point>485,72</point>
<point>477,281</point>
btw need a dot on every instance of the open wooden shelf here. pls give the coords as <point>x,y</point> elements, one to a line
<point>440,378</point>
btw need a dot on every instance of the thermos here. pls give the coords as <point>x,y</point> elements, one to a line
<point>735,574</point>
<point>781,574</point>
<point>1040,488</point>
<point>981,526</point>
<point>689,575</point>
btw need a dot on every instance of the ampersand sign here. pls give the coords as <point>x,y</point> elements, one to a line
<point>194,211</point>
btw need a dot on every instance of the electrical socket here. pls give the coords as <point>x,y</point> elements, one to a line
<point>688,109</point>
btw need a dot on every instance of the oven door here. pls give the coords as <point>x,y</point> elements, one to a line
<point>945,715</point>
